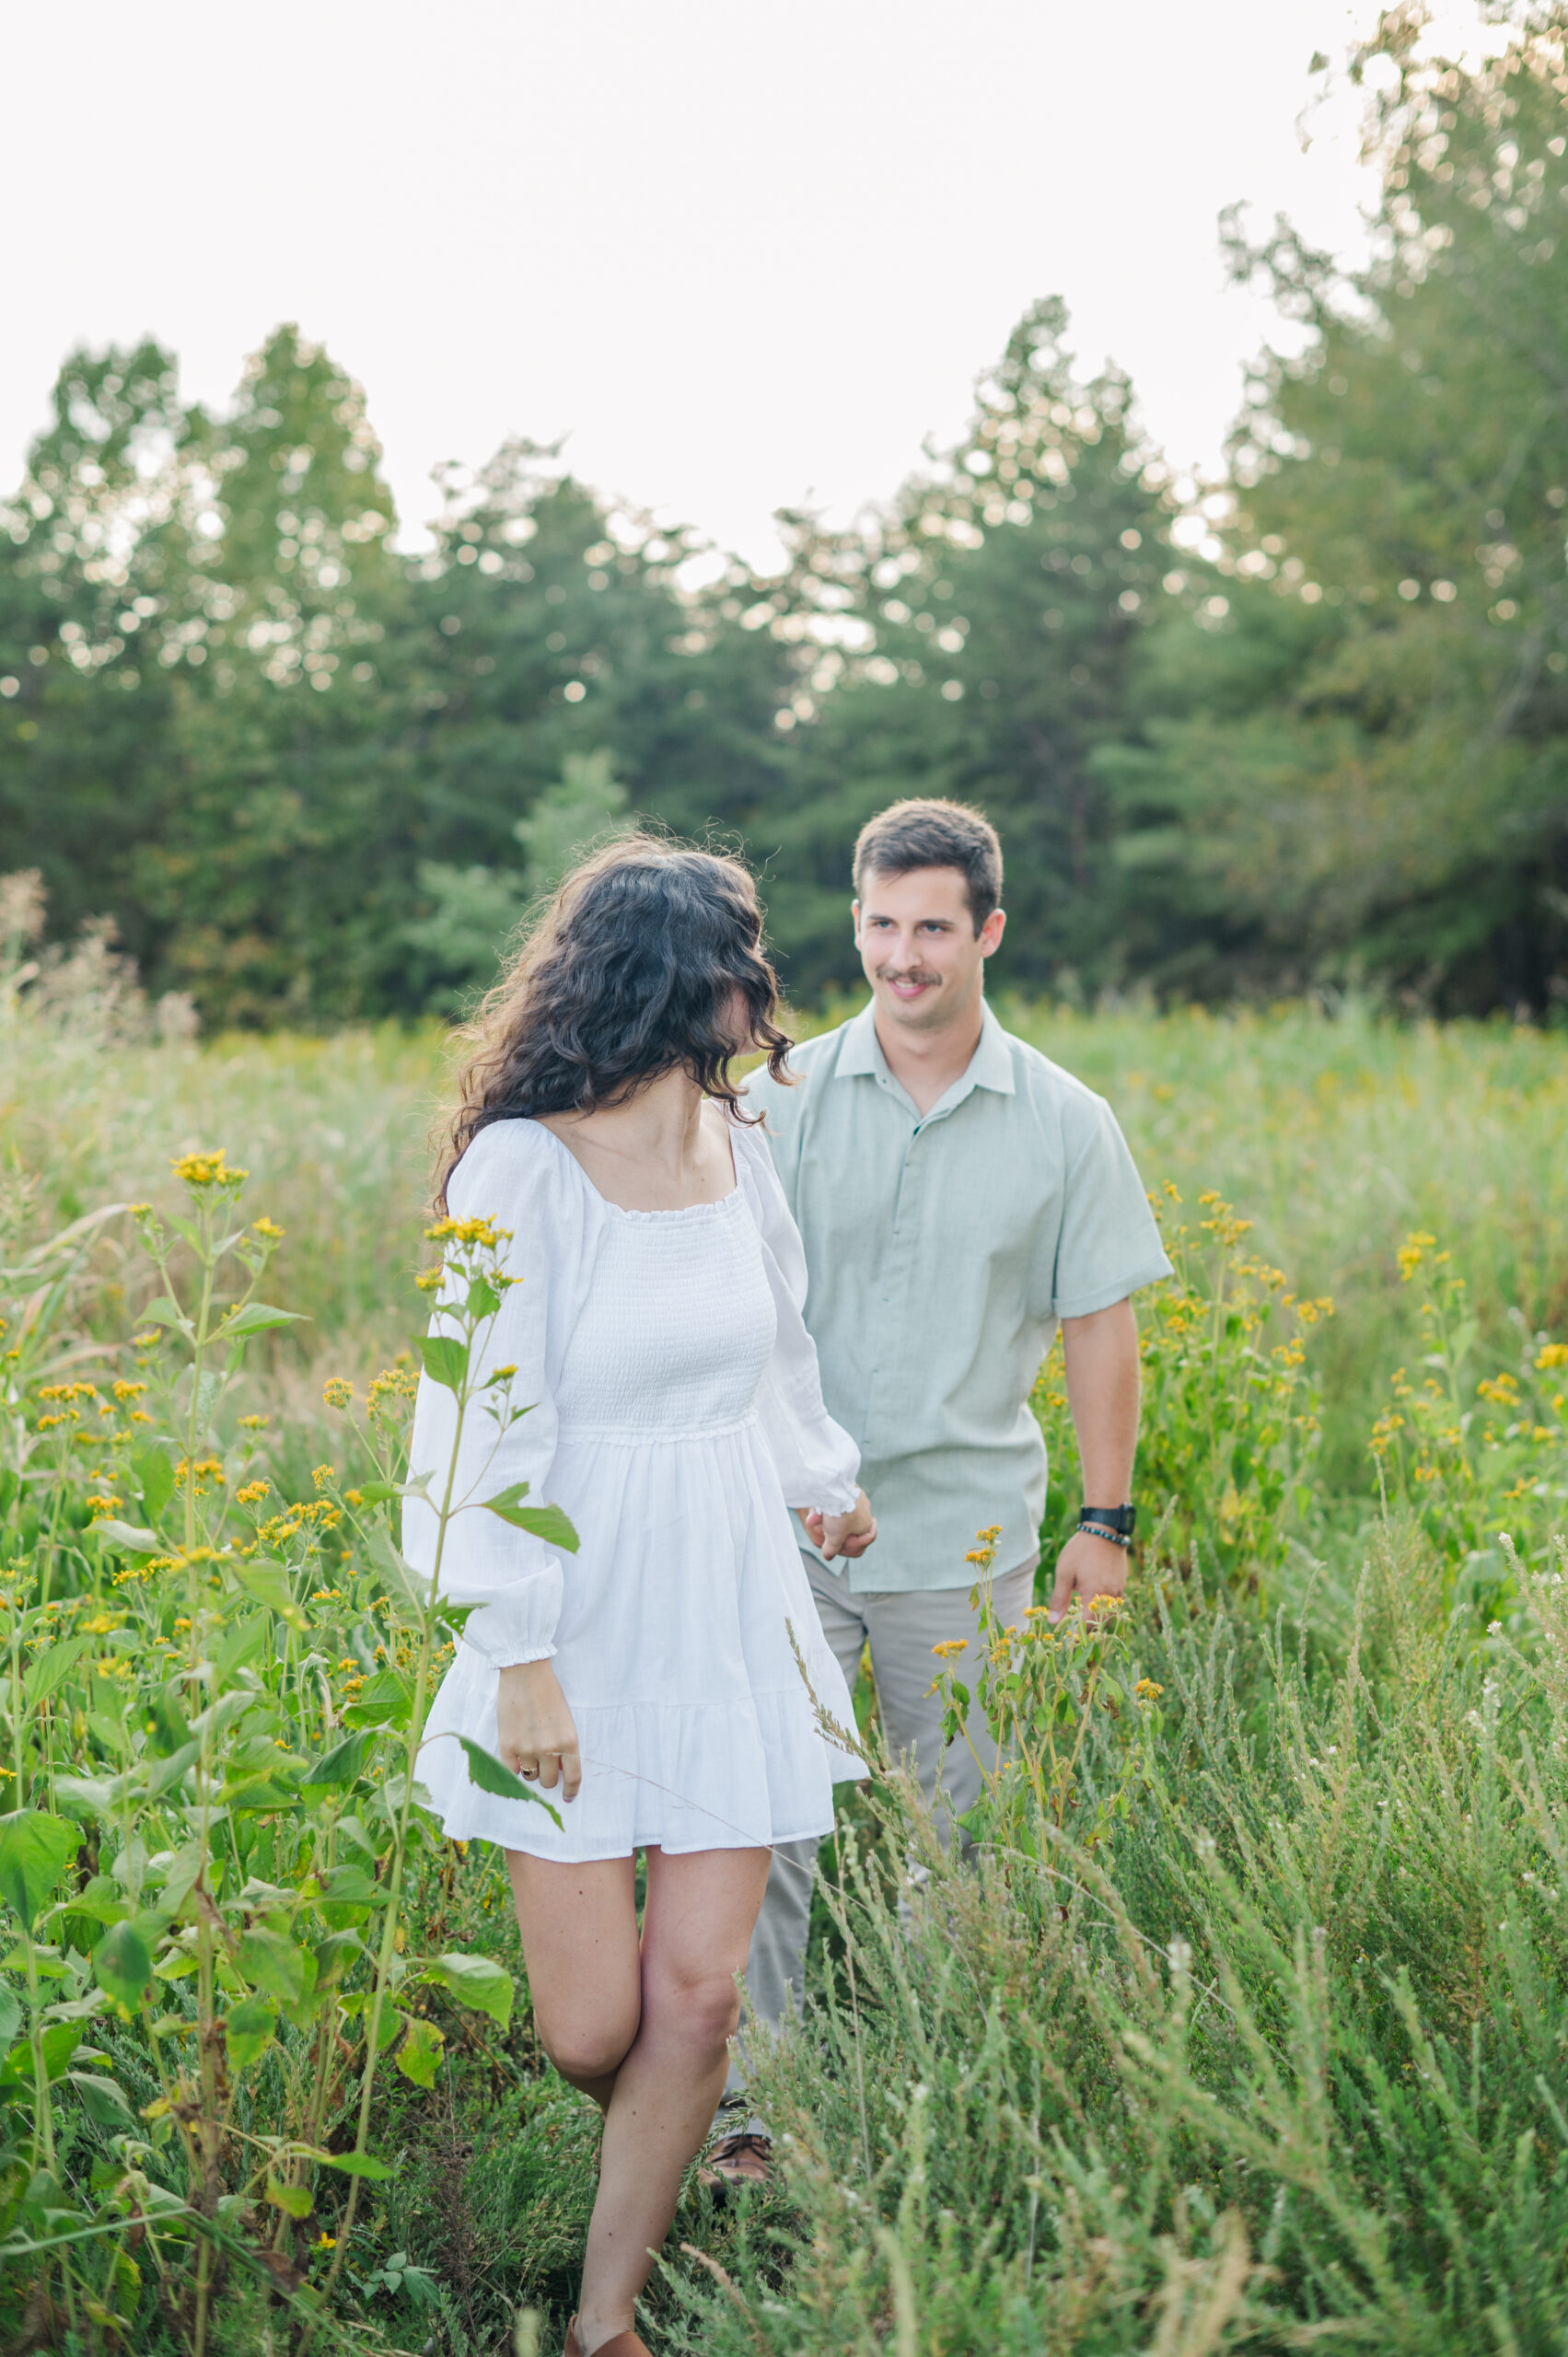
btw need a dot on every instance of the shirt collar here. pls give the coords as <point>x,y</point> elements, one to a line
<point>990,1066</point>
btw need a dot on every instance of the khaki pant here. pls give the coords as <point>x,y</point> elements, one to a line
<point>900,1630</point>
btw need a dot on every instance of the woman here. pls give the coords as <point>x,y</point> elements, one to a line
<point>648,1681</point>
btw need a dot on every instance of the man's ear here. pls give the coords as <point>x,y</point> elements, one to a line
<point>992,931</point>
<point>854,920</point>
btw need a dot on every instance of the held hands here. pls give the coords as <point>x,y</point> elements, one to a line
<point>840,1534</point>
<point>535,1733</point>
<point>1086,1568</point>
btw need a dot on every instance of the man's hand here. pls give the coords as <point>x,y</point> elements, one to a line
<point>536,1736</point>
<point>1086,1568</point>
<point>840,1534</point>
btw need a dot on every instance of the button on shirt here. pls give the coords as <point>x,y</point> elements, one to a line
<point>942,1248</point>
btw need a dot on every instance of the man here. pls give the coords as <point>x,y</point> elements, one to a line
<point>958,1195</point>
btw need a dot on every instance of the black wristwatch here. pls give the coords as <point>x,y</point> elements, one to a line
<point>1115,1522</point>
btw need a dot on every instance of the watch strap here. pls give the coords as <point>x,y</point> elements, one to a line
<point>1119,1521</point>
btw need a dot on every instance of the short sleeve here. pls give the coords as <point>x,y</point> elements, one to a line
<point>510,1174</point>
<point>1108,1243</point>
<point>817,1463</point>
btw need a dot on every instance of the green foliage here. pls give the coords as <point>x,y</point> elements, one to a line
<point>1354,758</point>
<point>219,1707</point>
<point>1291,2071</point>
<point>1232,1422</point>
<point>1308,731</point>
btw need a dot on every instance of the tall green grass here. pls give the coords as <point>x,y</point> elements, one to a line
<point>1242,2031</point>
<point>1336,1134</point>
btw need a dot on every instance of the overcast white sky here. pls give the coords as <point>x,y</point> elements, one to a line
<point>743,253</point>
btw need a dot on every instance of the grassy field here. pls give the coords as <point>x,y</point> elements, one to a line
<point>1336,1136</point>
<point>1244,2032</point>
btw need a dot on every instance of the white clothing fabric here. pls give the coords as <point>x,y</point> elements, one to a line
<point>675,1416</point>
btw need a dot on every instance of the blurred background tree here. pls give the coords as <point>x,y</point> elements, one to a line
<point>1310,729</point>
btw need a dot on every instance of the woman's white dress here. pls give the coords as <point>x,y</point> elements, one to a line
<point>676,1416</point>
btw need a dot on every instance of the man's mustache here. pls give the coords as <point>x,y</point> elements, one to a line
<point>913,974</point>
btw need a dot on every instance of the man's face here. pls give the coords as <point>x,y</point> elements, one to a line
<point>918,945</point>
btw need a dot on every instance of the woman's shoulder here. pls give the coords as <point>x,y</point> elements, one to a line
<point>506,1160</point>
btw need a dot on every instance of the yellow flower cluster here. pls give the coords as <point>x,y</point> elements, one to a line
<point>1551,1354</point>
<point>252,1493</point>
<point>394,1383</point>
<point>950,1648</point>
<point>337,1391</point>
<point>268,1230</point>
<point>1147,1690</point>
<point>474,1235</point>
<point>321,1474</point>
<point>208,1169</point>
<point>1412,1251</point>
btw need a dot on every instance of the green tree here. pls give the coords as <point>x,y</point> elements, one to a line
<point>281,889</point>
<point>1361,766</point>
<point>91,562</point>
<point>976,642</point>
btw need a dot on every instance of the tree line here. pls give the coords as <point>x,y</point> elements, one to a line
<point>1310,731</point>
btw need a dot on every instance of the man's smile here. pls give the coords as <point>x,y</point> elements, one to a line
<point>908,987</point>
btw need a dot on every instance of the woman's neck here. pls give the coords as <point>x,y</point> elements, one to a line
<point>662,1149</point>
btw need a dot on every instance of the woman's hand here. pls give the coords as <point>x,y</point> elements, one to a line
<point>841,1534</point>
<point>535,1733</point>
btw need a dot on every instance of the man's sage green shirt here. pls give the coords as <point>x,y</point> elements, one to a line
<point>942,1249</point>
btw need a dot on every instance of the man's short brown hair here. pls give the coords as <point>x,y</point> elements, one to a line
<point>933,834</point>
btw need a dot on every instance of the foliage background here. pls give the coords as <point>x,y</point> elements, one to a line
<point>1307,733</point>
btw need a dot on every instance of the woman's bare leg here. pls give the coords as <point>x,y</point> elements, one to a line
<point>579,1928</point>
<point>697,1926</point>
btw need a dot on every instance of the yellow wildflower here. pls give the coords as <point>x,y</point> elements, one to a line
<point>268,1230</point>
<point>208,1169</point>
<point>322,1474</point>
<point>337,1391</point>
<point>950,1648</point>
<point>1551,1354</point>
<point>252,1493</point>
<point>1147,1692</point>
<point>475,1234</point>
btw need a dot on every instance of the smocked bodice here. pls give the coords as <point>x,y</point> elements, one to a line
<point>677,1326</point>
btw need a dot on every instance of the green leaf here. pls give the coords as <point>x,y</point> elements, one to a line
<point>50,1667</point>
<point>342,1764</point>
<point>548,1523</point>
<point>294,2201</point>
<point>387,1698</point>
<point>129,1537</point>
<point>483,1301</point>
<point>98,1795</point>
<point>488,1773</point>
<point>255,1318</point>
<point>445,1360</point>
<point>35,1850</point>
<point>271,1963</point>
<point>265,1579</point>
<point>104,2101</point>
<point>164,1312</point>
<point>419,2056</point>
<point>376,1493</point>
<point>241,1640</point>
<point>404,1584</point>
<point>10,2014</point>
<point>355,2164</point>
<point>477,1981</point>
<point>154,1472</point>
<point>249,2029</point>
<point>122,1964</point>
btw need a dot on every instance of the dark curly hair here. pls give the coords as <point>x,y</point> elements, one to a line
<point>630,970</point>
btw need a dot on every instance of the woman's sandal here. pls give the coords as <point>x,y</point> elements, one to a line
<point>619,2344</point>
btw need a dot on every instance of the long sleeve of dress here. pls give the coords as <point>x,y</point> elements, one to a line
<point>510,1174</point>
<point>819,1464</point>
